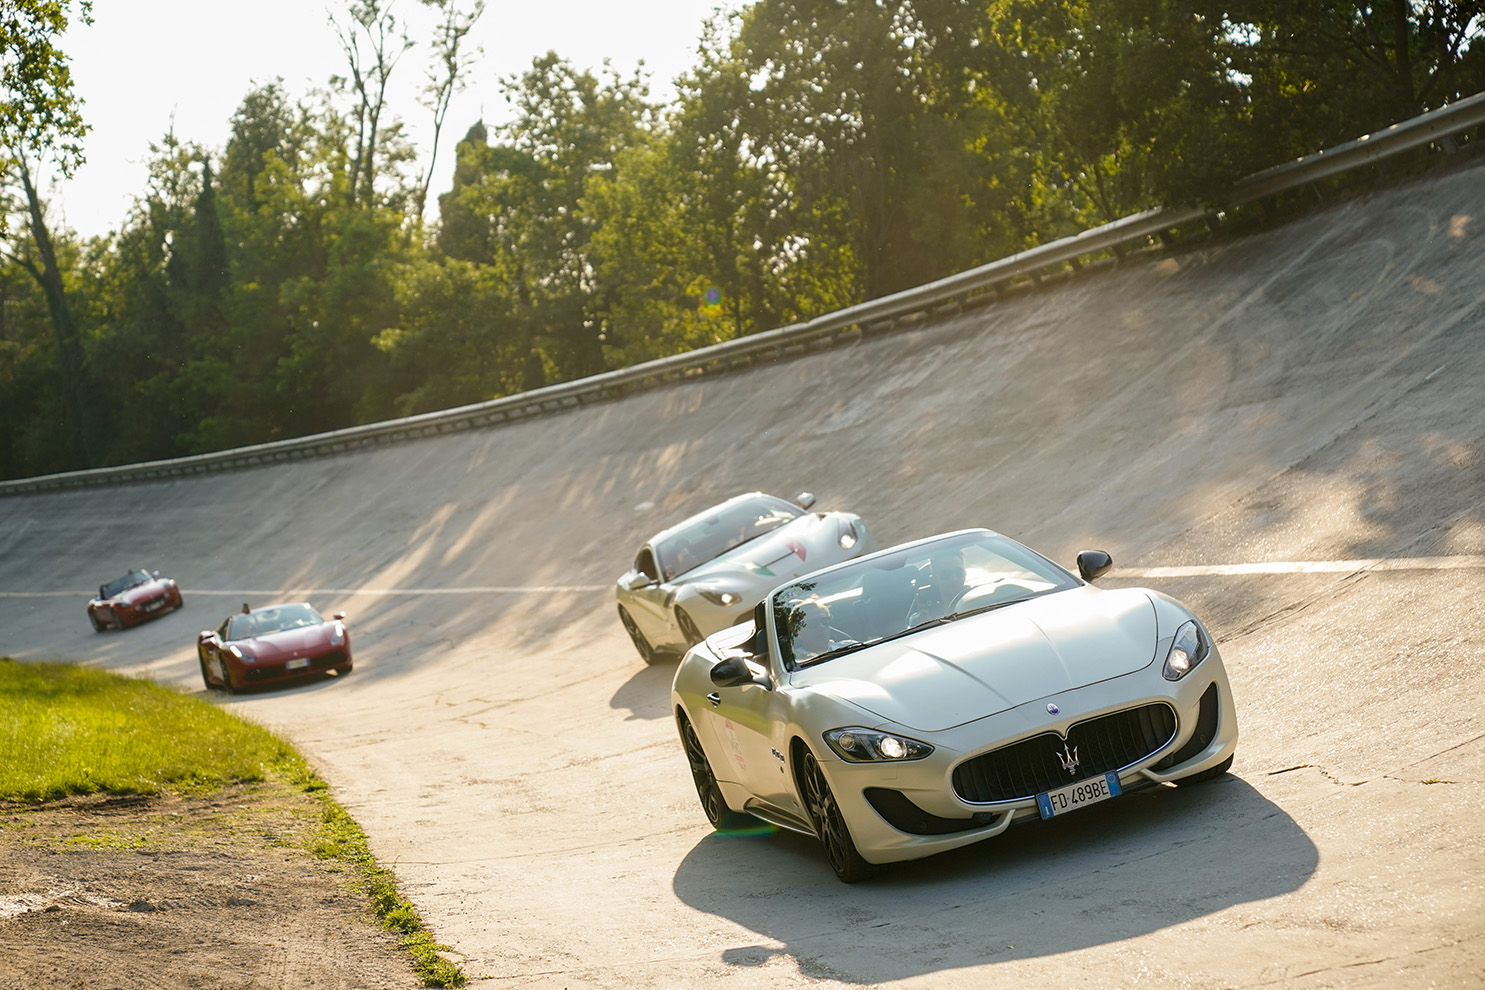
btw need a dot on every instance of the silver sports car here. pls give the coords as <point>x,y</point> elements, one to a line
<point>930,695</point>
<point>706,573</point>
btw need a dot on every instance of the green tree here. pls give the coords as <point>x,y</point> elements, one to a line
<point>452,59</point>
<point>41,121</point>
<point>1324,72</point>
<point>863,115</point>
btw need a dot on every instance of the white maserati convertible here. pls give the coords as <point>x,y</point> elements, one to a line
<point>707,572</point>
<point>930,695</point>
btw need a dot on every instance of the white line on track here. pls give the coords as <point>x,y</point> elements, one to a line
<point>1458,562</point>
<point>1461,562</point>
<point>282,593</point>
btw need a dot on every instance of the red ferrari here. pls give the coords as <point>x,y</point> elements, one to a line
<point>132,599</point>
<point>273,643</point>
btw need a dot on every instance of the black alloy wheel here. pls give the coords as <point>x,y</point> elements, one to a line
<point>688,628</point>
<point>712,801</point>
<point>646,651</point>
<point>830,824</point>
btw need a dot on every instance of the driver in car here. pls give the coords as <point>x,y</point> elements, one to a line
<point>811,632</point>
<point>946,576</point>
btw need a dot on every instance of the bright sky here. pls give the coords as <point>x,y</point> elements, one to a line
<point>143,62</point>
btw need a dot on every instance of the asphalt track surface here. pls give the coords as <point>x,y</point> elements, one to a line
<point>1287,431</point>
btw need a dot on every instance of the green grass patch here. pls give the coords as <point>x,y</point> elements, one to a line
<point>70,730</point>
<point>340,839</point>
<point>67,730</point>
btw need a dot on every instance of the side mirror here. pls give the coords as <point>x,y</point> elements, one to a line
<point>1094,564</point>
<point>154,573</point>
<point>804,500</point>
<point>635,580</point>
<point>338,615</point>
<point>733,672</point>
<point>204,635</point>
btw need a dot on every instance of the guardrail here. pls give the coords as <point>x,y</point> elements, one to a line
<point>1436,126</point>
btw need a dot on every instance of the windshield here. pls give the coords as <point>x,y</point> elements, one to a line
<point>119,585</point>
<point>864,602</point>
<point>712,534</point>
<point>274,619</point>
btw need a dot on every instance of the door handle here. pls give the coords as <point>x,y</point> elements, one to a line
<point>714,698</point>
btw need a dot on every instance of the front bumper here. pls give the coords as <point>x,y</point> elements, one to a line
<point>125,614</point>
<point>268,672</point>
<point>900,811</point>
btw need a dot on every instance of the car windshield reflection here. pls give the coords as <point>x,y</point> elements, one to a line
<point>265,621</point>
<point>872,601</point>
<point>710,536</point>
<point>120,585</point>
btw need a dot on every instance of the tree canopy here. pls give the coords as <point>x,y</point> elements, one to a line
<point>817,154</point>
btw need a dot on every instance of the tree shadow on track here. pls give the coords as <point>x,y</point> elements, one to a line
<point>1156,859</point>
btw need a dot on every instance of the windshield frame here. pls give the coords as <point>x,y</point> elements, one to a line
<point>839,598</point>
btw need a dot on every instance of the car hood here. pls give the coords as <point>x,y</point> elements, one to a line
<point>287,644</point>
<point>988,663</point>
<point>797,547</point>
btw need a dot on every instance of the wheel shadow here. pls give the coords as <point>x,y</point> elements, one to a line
<point>1155,859</point>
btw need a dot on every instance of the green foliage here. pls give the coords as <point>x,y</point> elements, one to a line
<point>40,111</point>
<point>341,840</point>
<point>819,153</point>
<point>70,730</point>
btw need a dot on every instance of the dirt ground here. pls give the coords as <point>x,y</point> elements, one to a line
<point>218,892</point>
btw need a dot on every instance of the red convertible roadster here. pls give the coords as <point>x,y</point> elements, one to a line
<point>132,599</point>
<point>273,643</point>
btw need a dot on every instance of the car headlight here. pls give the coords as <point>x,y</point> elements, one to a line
<point>848,537</point>
<point>1189,648</point>
<point>240,653</point>
<point>858,745</point>
<point>337,635</point>
<point>716,597</point>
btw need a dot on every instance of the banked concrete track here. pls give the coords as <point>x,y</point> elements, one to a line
<point>1309,395</point>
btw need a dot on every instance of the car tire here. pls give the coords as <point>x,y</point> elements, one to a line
<point>343,669</point>
<point>98,627</point>
<point>713,803</point>
<point>646,651</point>
<point>830,823</point>
<point>1210,773</point>
<point>688,628</point>
<point>205,676</point>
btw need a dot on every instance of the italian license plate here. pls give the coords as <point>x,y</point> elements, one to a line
<point>299,664</point>
<point>1074,796</point>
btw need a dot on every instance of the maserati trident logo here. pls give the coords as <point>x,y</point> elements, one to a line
<point>1069,759</point>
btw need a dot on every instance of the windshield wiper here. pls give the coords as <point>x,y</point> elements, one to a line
<point>841,651</point>
<point>984,608</point>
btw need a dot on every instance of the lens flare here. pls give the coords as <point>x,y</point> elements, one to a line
<point>711,302</point>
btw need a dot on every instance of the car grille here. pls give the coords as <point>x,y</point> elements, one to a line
<point>1025,769</point>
